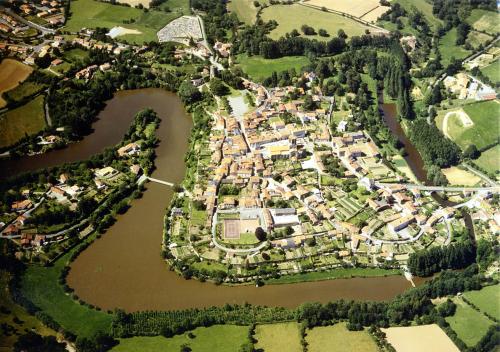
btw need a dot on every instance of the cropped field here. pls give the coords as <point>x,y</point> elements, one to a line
<point>469,324</point>
<point>291,17</point>
<point>449,49</point>
<point>492,71</point>
<point>356,8</point>
<point>278,337</point>
<point>25,120</point>
<point>337,338</point>
<point>487,300</point>
<point>489,160</point>
<point>483,20</point>
<point>91,14</point>
<point>429,338</point>
<point>259,68</point>
<point>245,10</point>
<point>12,73</point>
<point>458,176</point>
<point>220,338</point>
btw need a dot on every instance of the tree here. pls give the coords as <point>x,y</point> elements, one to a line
<point>32,342</point>
<point>322,32</point>
<point>309,103</point>
<point>188,92</point>
<point>218,87</point>
<point>260,234</point>
<point>471,152</point>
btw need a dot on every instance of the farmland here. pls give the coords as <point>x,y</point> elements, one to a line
<point>338,338</point>
<point>245,10</point>
<point>457,176</point>
<point>259,68</point>
<point>486,299</point>
<point>483,20</point>
<point>449,49</point>
<point>12,72</point>
<point>25,120</point>
<point>24,90</point>
<point>419,338</point>
<point>278,337</point>
<point>368,10</point>
<point>492,71</point>
<point>291,17</point>
<point>489,160</point>
<point>423,6</point>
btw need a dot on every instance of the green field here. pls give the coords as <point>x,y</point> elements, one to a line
<point>469,324</point>
<point>487,300</point>
<point>422,5</point>
<point>40,285</point>
<point>477,38</point>
<point>24,90</point>
<point>92,14</point>
<point>278,337</point>
<point>486,129</point>
<point>483,20</point>
<point>259,68</point>
<point>338,273</point>
<point>75,55</point>
<point>489,160</point>
<point>220,338</point>
<point>245,10</point>
<point>25,120</point>
<point>492,71</point>
<point>291,17</point>
<point>449,49</point>
<point>337,338</point>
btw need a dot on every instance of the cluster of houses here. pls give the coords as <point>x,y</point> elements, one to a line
<point>468,87</point>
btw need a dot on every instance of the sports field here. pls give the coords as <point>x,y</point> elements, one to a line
<point>25,120</point>
<point>12,73</point>
<point>92,14</point>
<point>259,68</point>
<point>278,337</point>
<point>337,338</point>
<point>291,17</point>
<point>483,20</point>
<point>487,300</point>
<point>428,338</point>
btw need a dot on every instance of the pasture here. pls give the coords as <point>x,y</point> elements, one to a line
<point>483,20</point>
<point>220,338</point>
<point>492,71</point>
<point>487,300</point>
<point>489,160</point>
<point>429,338</point>
<point>259,68</point>
<point>356,8</point>
<point>449,49</point>
<point>337,338</point>
<point>25,120</point>
<point>476,39</point>
<point>12,73</point>
<point>291,17</point>
<point>278,337</point>
<point>422,5</point>
<point>457,176</point>
<point>24,90</point>
<point>245,10</point>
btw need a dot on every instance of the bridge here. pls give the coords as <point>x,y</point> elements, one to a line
<point>143,178</point>
<point>440,188</point>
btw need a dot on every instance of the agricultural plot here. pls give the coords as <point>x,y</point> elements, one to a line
<point>369,10</point>
<point>347,207</point>
<point>476,39</point>
<point>458,176</point>
<point>337,338</point>
<point>429,338</point>
<point>492,71</point>
<point>24,90</point>
<point>12,73</point>
<point>291,17</point>
<point>245,10</point>
<point>487,300</point>
<point>259,68</point>
<point>449,49</point>
<point>489,160</point>
<point>278,337</point>
<point>422,5</point>
<point>486,21</point>
<point>25,120</point>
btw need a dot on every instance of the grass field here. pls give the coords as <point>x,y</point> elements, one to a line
<point>24,90</point>
<point>400,163</point>
<point>12,73</point>
<point>487,300</point>
<point>477,38</point>
<point>245,10</point>
<point>449,49</point>
<point>75,55</point>
<point>338,273</point>
<point>483,20</point>
<point>40,285</point>
<point>337,338</point>
<point>420,338</point>
<point>469,324</point>
<point>492,71</point>
<point>355,8</point>
<point>489,160</point>
<point>278,337</point>
<point>220,338</point>
<point>291,17</point>
<point>25,120</point>
<point>458,176</point>
<point>259,68</point>
<point>422,5</point>
<point>91,14</point>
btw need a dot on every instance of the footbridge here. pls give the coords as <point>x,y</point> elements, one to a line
<point>143,178</point>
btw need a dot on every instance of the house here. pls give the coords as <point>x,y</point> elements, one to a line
<point>106,172</point>
<point>129,149</point>
<point>401,223</point>
<point>21,205</point>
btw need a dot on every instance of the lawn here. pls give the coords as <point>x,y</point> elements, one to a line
<point>469,324</point>
<point>338,273</point>
<point>492,71</point>
<point>25,120</point>
<point>487,300</point>
<point>220,338</point>
<point>92,14</point>
<point>259,68</point>
<point>337,338</point>
<point>489,160</point>
<point>75,55</point>
<point>291,17</point>
<point>449,49</point>
<point>12,72</point>
<point>278,337</point>
<point>244,9</point>
<point>40,285</point>
<point>483,20</point>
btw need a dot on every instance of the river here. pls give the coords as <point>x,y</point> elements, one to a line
<point>124,268</point>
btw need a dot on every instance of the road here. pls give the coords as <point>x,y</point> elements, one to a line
<point>495,188</point>
<point>42,29</point>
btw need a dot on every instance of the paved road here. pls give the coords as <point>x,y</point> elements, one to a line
<point>439,188</point>
<point>42,29</point>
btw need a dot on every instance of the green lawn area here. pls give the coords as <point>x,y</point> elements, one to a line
<point>337,338</point>
<point>24,90</point>
<point>469,324</point>
<point>92,14</point>
<point>25,120</point>
<point>40,285</point>
<point>400,163</point>
<point>291,17</point>
<point>259,68</point>
<point>492,71</point>
<point>449,49</point>
<point>338,273</point>
<point>220,338</point>
<point>245,10</point>
<point>245,238</point>
<point>75,55</point>
<point>483,20</point>
<point>278,337</point>
<point>489,160</point>
<point>422,5</point>
<point>487,300</point>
